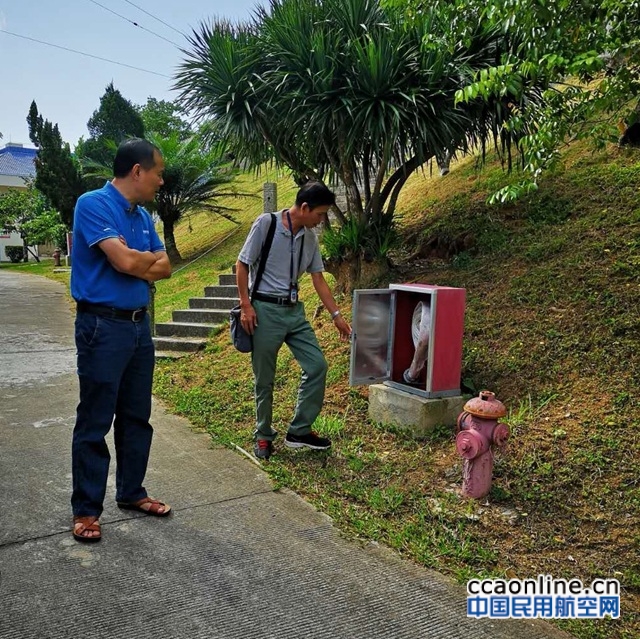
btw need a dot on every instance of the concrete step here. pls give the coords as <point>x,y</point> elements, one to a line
<point>184,344</point>
<point>227,280</point>
<point>171,354</point>
<point>184,329</point>
<point>201,316</point>
<point>213,302</point>
<point>221,291</point>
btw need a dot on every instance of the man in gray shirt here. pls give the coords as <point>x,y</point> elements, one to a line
<point>277,316</point>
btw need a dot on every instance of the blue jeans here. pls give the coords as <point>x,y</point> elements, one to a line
<point>115,369</point>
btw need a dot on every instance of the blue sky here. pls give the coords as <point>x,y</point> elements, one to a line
<point>66,86</point>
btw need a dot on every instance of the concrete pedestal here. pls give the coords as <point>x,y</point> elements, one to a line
<point>417,414</point>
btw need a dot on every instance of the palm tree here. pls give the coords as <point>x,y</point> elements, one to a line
<point>343,90</point>
<point>193,181</point>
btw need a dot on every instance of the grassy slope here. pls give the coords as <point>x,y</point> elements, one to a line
<point>551,326</point>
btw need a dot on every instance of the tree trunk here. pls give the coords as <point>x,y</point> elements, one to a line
<point>356,273</point>
<point>35,255</point>
<point>170,242</point>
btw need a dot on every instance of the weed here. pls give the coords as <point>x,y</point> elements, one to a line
<point>499,494</point>
<point>548,208</point>
<point>462,260</point>
<point>356,464</point>
<point>440,433</point>
<point>386,501</point>
<point>330,425</point>
<point>621,400</point>
<point>526,411</point>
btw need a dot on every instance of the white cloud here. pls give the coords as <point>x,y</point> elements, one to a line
<point>3,21</point>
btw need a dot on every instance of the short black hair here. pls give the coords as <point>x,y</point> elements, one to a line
<point>131,152</point>
<point>315,194</point>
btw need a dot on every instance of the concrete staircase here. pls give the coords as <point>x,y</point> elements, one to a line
<point>190,328</point>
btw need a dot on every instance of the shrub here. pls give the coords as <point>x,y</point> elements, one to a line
<point>373,239</point>
<point>14,253</point>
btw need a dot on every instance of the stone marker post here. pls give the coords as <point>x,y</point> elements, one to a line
<point>270,197</point>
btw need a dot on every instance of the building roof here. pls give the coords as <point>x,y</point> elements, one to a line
<point>18,161</point>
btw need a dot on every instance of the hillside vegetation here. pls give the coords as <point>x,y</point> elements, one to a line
<point>551,327</point>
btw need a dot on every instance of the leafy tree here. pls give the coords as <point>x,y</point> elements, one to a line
<point>115,119</point>
<point>27,213</point>
<point>57,172</point>
<point>35,124</point>
<point>586,53</point>
<point>345,90</point>
<point>164,118</point>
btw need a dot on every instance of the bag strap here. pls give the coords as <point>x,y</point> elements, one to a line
<point>266,247</point>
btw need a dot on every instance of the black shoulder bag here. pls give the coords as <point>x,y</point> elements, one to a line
<point>242,340</point>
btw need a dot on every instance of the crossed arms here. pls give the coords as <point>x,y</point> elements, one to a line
<point>142,264</point>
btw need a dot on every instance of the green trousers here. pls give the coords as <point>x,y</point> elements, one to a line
<point>278,325</point>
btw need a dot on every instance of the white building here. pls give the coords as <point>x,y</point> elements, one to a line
<point>17,165</point>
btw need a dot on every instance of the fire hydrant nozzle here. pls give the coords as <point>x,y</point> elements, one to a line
<point>478,430</point>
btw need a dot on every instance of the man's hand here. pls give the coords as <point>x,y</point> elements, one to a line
<point>343,327</point>
<point>126,260</point>
<point>248,318</point>
<point>160,270</point>
<point>324,292</point>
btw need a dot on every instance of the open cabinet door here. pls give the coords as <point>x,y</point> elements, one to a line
<point>371,339</point>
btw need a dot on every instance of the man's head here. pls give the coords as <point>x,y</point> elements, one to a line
<point>139,163</point>
<point>313,201</point>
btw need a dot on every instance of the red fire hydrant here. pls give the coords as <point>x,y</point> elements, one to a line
<point>478,429</point>
<point>56,257</point>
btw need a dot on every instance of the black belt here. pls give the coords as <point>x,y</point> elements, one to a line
<point>135,315</point>
<point>272,299</point>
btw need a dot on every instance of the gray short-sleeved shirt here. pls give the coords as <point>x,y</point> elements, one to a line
<point>275,279</point>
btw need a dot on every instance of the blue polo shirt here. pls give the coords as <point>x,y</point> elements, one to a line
<point>100,215</point>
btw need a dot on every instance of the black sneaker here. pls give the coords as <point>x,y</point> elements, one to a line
<point>263,449</point>
<point>310,440</point>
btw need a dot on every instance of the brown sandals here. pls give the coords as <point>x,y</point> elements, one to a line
<point>87,528</point>
<point>83,525</point>
<point>148,506</point>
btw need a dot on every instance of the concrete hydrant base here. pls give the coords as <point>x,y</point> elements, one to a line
<point>417,414</point>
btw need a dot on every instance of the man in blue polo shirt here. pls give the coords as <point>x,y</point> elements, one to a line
<point>117,255</point>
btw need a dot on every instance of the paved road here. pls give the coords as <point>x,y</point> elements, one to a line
<point>237,560</point>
